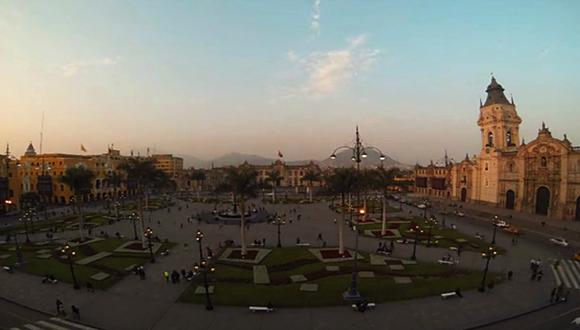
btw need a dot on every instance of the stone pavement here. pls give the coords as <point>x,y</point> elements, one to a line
<point>151,303</point>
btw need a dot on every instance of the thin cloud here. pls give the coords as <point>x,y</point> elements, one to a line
<point>328,71</point>
<point>315,22</point>
<point>72,69</point>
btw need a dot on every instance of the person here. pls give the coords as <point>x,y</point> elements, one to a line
<point>510,274</point>
<point>297,240</point>
<point>59,309</point>
<point>263,241</point>
<point>90,287</point>
<point>553,295</point>
<point>269,305</point>
<point>166,276</point>
<point>76,312</point>
<point>540,274</point>
<point>458,292</point>
<point>392,246</point>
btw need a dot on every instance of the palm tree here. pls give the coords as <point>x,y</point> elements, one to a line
<point>79,180</point>
<point>242,182</point>
<point>274,178</point>
<point>342,182</point>
<point>311,176</point>
<point>199,177</point>
<point>382,179</point>
<point>145,176</point>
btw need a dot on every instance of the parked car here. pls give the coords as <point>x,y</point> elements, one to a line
<point>559,241</point>
<point>460,214</point>
<point>502,224</point>
<point>422,206</point>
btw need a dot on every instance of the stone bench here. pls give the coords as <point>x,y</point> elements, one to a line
<point>302,244</point>
<point>449,295</point>
<point>100,276</point>
<point>266,309</point>
<point>130,267</point>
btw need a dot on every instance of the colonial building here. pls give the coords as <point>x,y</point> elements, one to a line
<point>541,177</point>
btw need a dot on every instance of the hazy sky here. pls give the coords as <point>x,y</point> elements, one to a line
<point>208,77</point>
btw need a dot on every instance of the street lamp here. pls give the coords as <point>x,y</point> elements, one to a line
<point>417,230</point>
<point>149,235</point>
<point>67,251</point>
<point>494,223</point>
<point>359,152</point>
<point>352,293</point>
<point>134,217</point>
<point>488,254</point>
<point>204,268</point>
<point>19,259</point>
<point>278,222</point>
<point>199,238</point>
<point>431,222</point>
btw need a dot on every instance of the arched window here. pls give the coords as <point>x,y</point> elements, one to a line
<point>489,139</point>
<point>508,138</point>
<point>544,162</point>
<point>511,167</point>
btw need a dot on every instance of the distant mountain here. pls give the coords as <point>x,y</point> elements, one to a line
<point>344,159</point>
<point>236,158</point>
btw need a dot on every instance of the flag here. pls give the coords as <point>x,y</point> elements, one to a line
<point>280,154</point>
<point>83,149</point>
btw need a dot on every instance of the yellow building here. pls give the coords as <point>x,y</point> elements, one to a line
<point>291,175</point>
<point>541,177</point>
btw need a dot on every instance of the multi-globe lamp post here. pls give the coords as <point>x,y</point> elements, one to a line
<point>488,254</point>
<point>149,235</point>
<point>134,217</point>
<point>430,222</point>
<point>359,152</point>
<point>417,230</point>
<point>204,268</point>
<point>68,251</point>
<point>199,239</point>
<point>494,222</point>
<point>278,221</point>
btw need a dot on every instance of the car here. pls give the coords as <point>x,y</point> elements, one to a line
<point>460,214</point>
<point>559,241</point>
<point>422,206</point>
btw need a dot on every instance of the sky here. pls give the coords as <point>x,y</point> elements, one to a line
<point>208,77</point>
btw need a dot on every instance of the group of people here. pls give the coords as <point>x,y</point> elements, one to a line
<point>384,249</point>
<point>61,312</point>
<point>140,271</point>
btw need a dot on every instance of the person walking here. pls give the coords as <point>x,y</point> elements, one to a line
<point>76,312</point>
<point>59,309</point>
<point>166,276</point>
<point>540,274</point>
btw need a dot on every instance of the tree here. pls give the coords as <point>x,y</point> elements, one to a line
<point>145,176</point>
<point>382,179</point>
<point>199,177</point>
<point>342,182</point>
<point>310,176</point>
<point>274,178</point>
<point>114,180</point>
<point>242,182</point>
<point>79,180</point>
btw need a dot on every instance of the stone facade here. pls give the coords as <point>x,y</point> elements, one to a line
<point>541,177</point>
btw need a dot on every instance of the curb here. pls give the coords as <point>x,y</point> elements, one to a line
<point>45,313</point>
<point>515,316</point>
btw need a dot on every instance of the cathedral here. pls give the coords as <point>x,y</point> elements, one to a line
<point>540,177</point>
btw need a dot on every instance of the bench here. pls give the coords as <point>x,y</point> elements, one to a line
<point>447,262</point>
<point>266,309</point>
<point>369,306</point>
<point>449,295</point>
<point>302,244</point>
<point>7,268</point>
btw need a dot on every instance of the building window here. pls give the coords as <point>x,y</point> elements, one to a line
<point>544,162</point>
<point>489,139</point>
<point>508,138</point>
<point>486,166</point>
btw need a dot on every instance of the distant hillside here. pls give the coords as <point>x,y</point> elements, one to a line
<point>236,158</point>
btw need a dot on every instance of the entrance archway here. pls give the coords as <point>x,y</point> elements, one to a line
<point>510,199</point>
<point>542,200</point>
<point>463,194</point>
<point>578,209</point>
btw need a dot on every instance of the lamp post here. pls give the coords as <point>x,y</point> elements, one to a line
<point>134,217</point>
<point>199,239</point>
<point>488,254</point>
<point>494,223</point>
<point>358,154</point>
<point>67,251</point>
<point>417,230</point>
<point>149,235</point>
<point>204,268</point>
<point>430,223</point>
<point>353,293</point>
<point>278,222</point>
<point>19,259</point>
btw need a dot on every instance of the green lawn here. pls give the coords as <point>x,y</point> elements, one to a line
<point>449,235</point>
<point>114,265</point>
<point>234,282</point>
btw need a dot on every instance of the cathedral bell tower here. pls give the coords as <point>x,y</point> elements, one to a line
<point>498,120</point>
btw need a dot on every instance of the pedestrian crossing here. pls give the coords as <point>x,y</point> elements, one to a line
<point>567,273</point>
<point>54,323</point>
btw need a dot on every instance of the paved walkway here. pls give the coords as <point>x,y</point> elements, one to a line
<point>151,303</point>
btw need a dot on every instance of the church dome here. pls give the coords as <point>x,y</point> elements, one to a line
<point>495,94</point>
